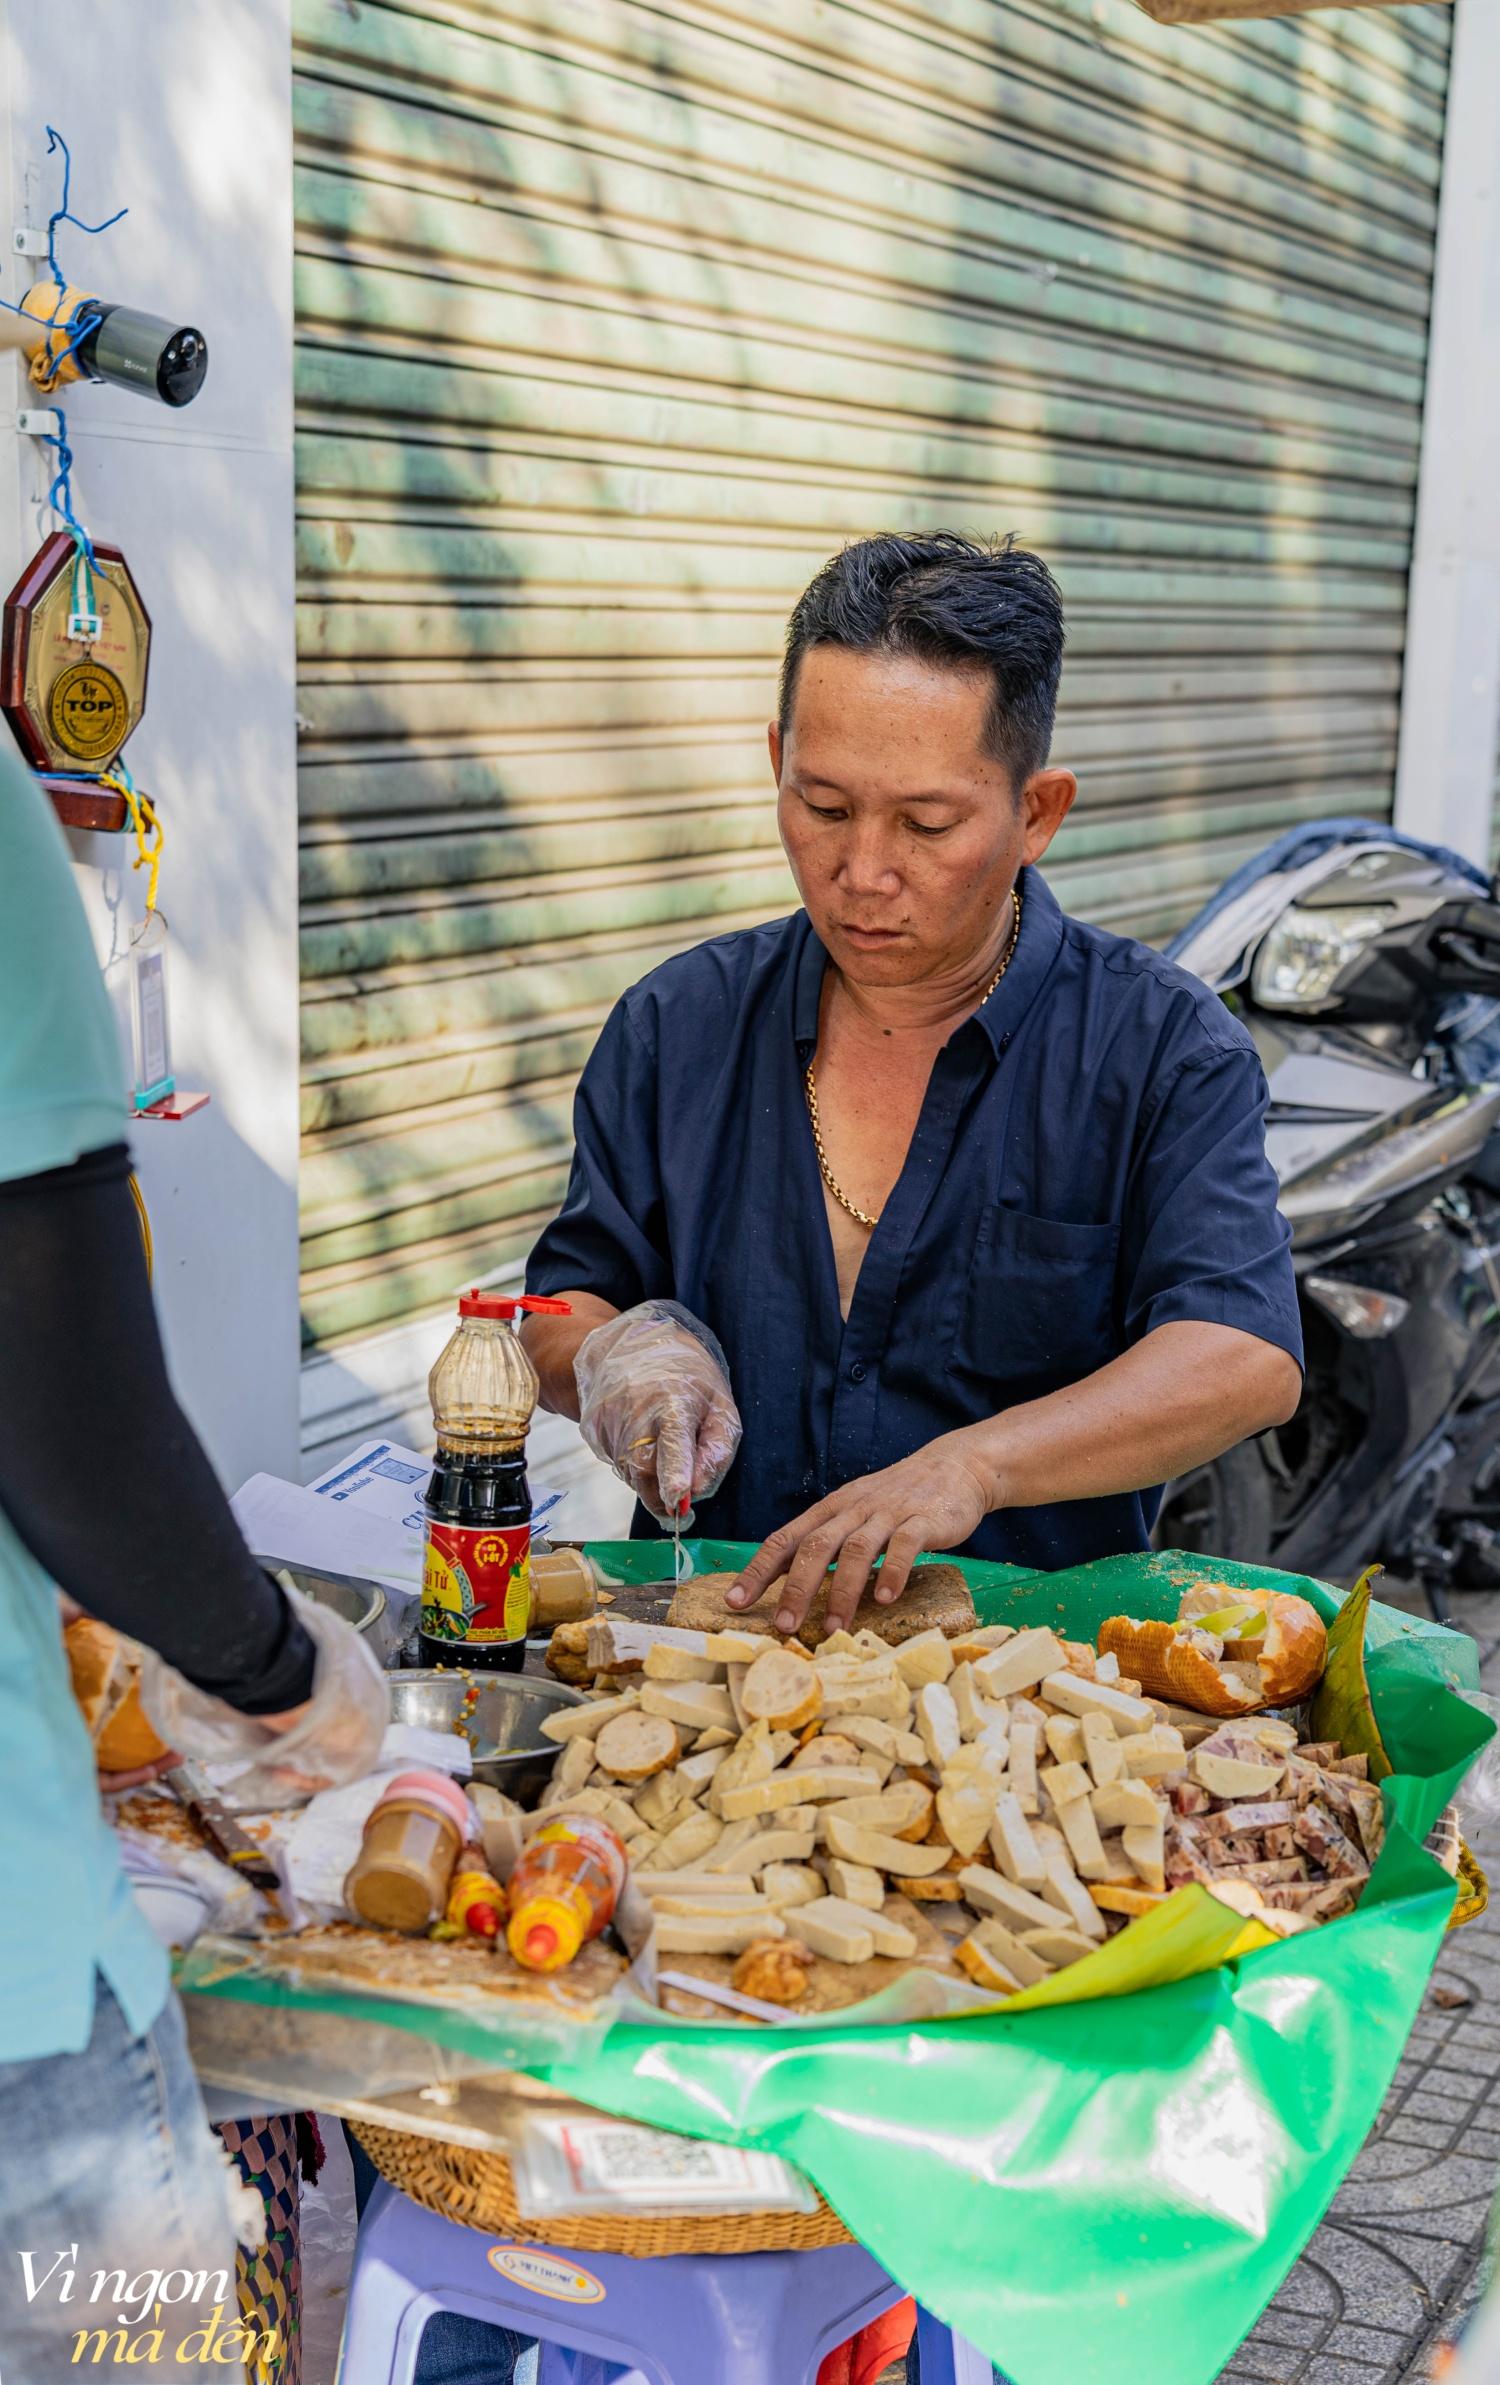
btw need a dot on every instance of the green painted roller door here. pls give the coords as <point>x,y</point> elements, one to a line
<point>614,320</point>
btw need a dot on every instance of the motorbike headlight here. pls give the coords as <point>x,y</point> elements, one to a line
<point>1303,953</point>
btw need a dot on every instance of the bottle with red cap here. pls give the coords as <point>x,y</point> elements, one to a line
<point>563,1890</point>
<point>476,1572</point>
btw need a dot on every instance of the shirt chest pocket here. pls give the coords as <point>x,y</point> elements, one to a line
<point>1038,1308</point>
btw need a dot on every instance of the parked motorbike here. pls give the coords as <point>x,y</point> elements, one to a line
<point>1367,967</point>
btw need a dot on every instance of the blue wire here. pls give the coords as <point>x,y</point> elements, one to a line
<point>79,326</point>
<point>60,495</point>
<point>64,214</point>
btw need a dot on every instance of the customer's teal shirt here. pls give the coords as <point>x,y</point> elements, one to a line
<point>66,1911</point>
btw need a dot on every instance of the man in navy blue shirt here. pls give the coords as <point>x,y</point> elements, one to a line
<point>927,1217</point>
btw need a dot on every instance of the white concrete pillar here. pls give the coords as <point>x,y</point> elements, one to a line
<point>1450,705</point>
<point>181,110</point>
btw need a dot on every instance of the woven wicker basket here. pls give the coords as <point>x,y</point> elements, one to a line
<point>478,2190</point>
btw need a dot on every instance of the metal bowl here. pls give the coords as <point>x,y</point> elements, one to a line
<point>503,1729</point>
<point>362,1603</point>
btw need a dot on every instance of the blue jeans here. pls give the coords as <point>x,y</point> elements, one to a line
<point>113,2184</point>
<point>455,2350</point>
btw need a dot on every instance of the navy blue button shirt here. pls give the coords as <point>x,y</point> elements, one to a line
<point>1089,1163</point>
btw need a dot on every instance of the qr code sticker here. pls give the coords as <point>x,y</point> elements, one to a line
<point>615,2160</point>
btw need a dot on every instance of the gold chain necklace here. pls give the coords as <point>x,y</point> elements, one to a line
<point>862,1217</point>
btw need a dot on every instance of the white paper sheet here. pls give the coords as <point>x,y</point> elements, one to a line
<point>363,1516</point>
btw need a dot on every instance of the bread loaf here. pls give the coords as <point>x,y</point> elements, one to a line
<point>106,1683</point>
<point>936,1598</point>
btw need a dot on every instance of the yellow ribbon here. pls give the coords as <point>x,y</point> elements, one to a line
<point>143,816</point>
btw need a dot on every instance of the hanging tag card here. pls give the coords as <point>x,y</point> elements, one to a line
<point>150,1033</point>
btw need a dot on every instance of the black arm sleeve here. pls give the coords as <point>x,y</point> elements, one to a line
<point>101,1475</point>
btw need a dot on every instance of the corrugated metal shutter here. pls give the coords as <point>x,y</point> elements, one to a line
<point>615,320</point>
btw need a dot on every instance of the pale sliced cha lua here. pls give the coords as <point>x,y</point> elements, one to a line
<point>688,1841</point>
<point>714,1888</point>
<point>634,1746</point>
<point>1064,1782</point>
<point>1102,1750</point>
<point>966,1805</point>
<point>1066,1891</point>
<point>1144,1851</point>
<point>987,1892</point>
<point>586,1721</point>
<point>1003,1945</point>
<point>693,1898</point>
<point>779,1844</point>
<point>1023,1766</point>
<point>708,1933</point>
<point>880,1853</point>
<point>791,1788</point>
<point>792,1884</point>
<point>1073,1695</point>
<point>1057,1946</point>
<point>694,1705</point>
<point>1154,1755</point>
<point>983,1967</point>
<point>902,1809</point>
<point>1123,1803</point>
<point>925,1658</point>
<point>1013,1843</point>
<point>574,1765</point>
<point>1113,1896</point>
<point>665,1797</point>
<point>723,1855</point>
<point>827,1748</point>
<point>891,1938</point>
<point>936,1718</point>
<point>1076,1821</point>
<point>834,1934</point>
<point>696,1771</point>
<point>1020,1663</point>
<point>883,1738</point>
<point>972,1708</point>
<point>1064,1736</point>
<point>856,1883</point>
<point>677,1664</point>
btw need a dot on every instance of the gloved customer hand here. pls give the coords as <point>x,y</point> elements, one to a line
<point>334,1737</point>
<point>654,1402</point>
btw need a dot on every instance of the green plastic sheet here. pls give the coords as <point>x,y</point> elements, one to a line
<point>1112,2189</point>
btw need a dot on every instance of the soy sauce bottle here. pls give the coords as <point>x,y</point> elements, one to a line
<point>476,1571</point>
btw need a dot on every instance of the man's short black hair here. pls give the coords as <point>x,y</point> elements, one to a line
<point>966,603</point>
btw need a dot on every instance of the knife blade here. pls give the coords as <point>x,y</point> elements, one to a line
<point>230,1843</point>
<point>682,1509</point>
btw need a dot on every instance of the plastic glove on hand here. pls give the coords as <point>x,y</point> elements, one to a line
<point>284,1759</point>
<point>654,1402</point>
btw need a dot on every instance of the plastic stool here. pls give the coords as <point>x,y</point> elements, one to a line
<point>687,2319</point>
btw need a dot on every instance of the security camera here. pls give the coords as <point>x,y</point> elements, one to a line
<point>130,350</point>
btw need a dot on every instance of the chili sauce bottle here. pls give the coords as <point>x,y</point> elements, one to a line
<point>476,1571</point>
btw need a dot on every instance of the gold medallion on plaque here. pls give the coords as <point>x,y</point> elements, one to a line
<point>88,712</point>
<point>73,700</point>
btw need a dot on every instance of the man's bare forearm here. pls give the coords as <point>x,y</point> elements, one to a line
<point>1182,1396</point>
<point>552,1345</point>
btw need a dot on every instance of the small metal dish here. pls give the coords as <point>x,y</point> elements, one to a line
<point>360,1601</point>
<point>503,1727</point>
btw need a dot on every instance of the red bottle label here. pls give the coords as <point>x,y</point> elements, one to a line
<point>476,1584</point>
